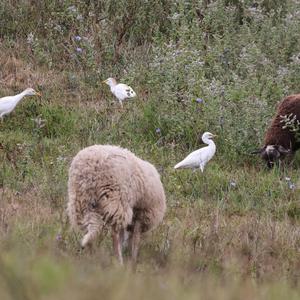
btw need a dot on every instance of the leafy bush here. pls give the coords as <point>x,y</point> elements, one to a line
<point>209,65</point>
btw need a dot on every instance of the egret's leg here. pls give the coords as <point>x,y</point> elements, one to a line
<point>201,167</point>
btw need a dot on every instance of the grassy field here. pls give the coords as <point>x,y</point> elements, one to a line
<point>232,232</point>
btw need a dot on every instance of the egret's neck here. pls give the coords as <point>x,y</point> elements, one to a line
<point>20,96</point>
<point>112,86</point>
<point>208,142</point>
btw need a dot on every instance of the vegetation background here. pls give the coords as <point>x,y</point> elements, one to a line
<point>219,66</point>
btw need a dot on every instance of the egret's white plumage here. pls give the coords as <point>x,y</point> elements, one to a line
<point>120,90</point>
<point>8,104</point>
<point>200,157</point>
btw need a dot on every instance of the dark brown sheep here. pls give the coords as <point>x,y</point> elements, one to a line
<point>280,140</point>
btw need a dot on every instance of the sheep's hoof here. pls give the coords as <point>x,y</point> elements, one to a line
<point>87,248</point>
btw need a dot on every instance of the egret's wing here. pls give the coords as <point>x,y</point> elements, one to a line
<point>126,90</point>
<point>123,86</point>
<point>6,103</point>
<point>191,161</point>
<point>205,156</point>
<point>197,159</point>
<point>6,100</point>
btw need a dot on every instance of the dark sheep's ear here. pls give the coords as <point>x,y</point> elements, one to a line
<point>257,151</point>
<point>283,150</point>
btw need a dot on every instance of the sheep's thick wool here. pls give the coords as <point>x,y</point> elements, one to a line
<point>276,134</point>
<point>110,186</point>
<point>280,139</point>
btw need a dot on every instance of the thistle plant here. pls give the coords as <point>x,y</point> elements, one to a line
<point>292,124</point>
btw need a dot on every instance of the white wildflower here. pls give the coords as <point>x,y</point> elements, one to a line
<point>30,38</point>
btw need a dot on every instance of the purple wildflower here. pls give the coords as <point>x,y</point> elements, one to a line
<point>77,38</point>
<point>292,186</point>
<point>58,237</point>
<point>199,100</point>
<point>79,50</point>
<point>157,130</point>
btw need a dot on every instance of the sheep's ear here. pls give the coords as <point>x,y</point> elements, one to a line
<point>283,150</point>
<point>257,151</point>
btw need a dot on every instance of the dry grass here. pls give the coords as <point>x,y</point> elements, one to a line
<point>196,238</point>
<point>17,75</point>
<point>230,233</point>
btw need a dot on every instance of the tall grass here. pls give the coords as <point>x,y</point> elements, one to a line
<point>219,66</point>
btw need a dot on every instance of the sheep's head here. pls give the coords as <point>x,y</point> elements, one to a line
<point>272,153</point>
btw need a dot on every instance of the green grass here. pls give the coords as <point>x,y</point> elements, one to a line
<point>229,233</point>
<point>233,221</point>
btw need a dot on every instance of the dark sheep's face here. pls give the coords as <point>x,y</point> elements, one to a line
<point>273,153</point>
<point>270,154</point>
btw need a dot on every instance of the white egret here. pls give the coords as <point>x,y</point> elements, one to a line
<point>200,157</point>
<point>120,90</point>
<point>8,104</point>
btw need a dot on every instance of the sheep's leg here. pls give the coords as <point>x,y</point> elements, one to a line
<point>135,241</point>
<point>91,234</point>
<point>125,238</point>
<point>117,238</point>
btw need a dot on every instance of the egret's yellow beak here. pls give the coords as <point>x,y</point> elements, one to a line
<point>104,81</point>
<point>214,135</point>
<point>39,94</point>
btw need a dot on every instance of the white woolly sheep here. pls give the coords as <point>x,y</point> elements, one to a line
<point>110,186</point>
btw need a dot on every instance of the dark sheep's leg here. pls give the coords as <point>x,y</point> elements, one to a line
<point>117,245</point>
